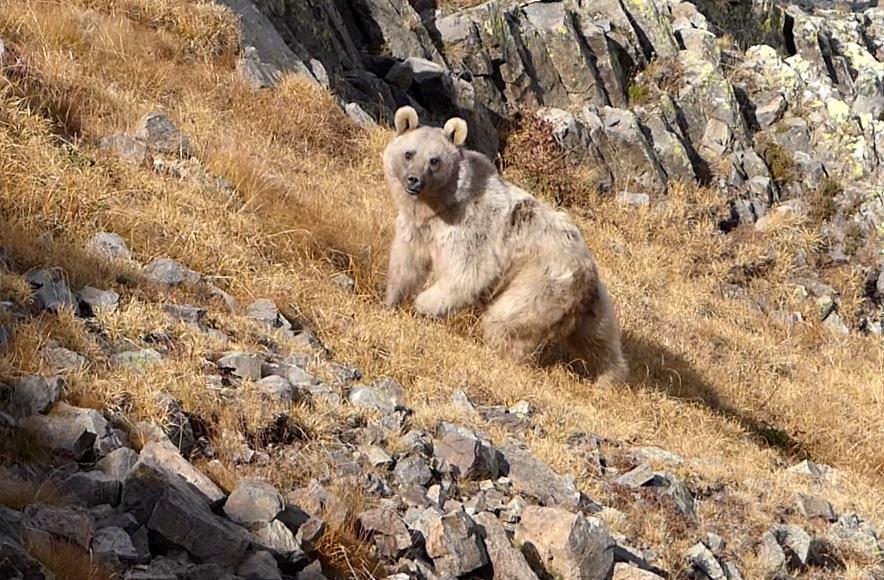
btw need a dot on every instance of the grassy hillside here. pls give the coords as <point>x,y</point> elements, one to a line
<point>739,395</point>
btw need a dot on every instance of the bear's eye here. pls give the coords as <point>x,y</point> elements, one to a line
<point>434,161</point>
<point>409,155</point>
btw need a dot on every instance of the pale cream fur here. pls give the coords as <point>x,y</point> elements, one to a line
<point>479,240</point>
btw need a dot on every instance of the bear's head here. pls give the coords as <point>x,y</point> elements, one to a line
<point>424,160</point>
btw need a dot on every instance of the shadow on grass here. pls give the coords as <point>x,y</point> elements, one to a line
<point>662,370</point>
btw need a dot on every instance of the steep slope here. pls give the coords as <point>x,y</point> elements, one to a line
<point>279,196</point>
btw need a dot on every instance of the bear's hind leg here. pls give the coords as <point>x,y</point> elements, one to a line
<point>522,319</point>
<point>597,342</point>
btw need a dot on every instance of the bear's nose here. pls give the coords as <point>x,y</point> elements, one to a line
<point>413,184</point>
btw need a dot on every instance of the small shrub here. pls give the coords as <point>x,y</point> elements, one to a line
<point>822,201</point>
<point>638,94</point>
<point>780,162</point>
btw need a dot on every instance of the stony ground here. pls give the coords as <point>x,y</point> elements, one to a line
<point>199,380</point>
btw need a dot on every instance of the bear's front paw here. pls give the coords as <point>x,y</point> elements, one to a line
<point>432,303</point>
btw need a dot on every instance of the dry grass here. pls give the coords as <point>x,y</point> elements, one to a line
<point>737,394</point>
<point>65,559</point>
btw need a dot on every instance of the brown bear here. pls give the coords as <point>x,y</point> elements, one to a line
<point>481,241</point>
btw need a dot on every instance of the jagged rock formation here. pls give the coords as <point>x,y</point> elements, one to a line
<point>648,92</point>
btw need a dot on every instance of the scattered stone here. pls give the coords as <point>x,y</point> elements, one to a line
<point>266,312</point>
<point>276,389</point>
<point>183,518</point>
<point>376,456</point>
<point>454,542</point>
<point>533,478</point>
<point>93,488</point>
<point>624,571</point>
<point>164,457</point>
<point>810,469</point>
<point>470,457</point>
<point>109,244</point>
<point>310,532</point>
<point>565,544</point>
<point>259,566</point>
<point>704,560</point>
<point>384,395</point>
<point>69,524</point>
<point>137,360</point>
<point>51,292</point>
<point>243,365</point>
<point>795,543</point>
<point>93,301</point>
<point>62,359</point>
<point>815,507</point>
<point>15,562</point>
<point>634,199</point>
<point>389,532</point>
<point>507,561</point>
<point>412,470</point>
<point>279,539</point>
<point>771,556</point>
<point>649,454</point>
<point>638,477</point>
<point>33,394</point>
<point>253,502</point>
<point>460,400</point>
<point>61,435</point>
<point>114,546</point>
<point>168,272</point>
<point>157,131</point>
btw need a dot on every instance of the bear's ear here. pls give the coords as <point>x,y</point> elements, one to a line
<point>406,120</point>
<point>456,130</point>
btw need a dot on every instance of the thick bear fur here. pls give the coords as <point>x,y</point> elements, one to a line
<point>479,240</point>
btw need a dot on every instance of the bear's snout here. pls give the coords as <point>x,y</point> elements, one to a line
<point>414,184</point>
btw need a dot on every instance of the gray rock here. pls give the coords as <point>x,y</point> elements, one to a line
<point>454,542</point>
<point>795,543</point>
<point>815,507</point>
<point>279,539</point>
<point>469,457</point>
<point>704,560</point>
<point>93,488</point>
<point>266,312</point>
<point>125,147</point>
<point>533,478</point>
<point>809,469</point>
<point>770,111</point>
<point>655,454</point>
<point>314,572</point>
<point>243,365</point>
<point>93,301</point>
<point>387,529</point>
<point>32,395</point>
<point>114,546</point>
<point>462,402</point>
<point>185,313</point>
<point>638,477</point>
<point>276,389</point>
<point>507,561</point>
<point>412,470</point>
<point>15,562</point>
<point>163,456</point>
<point>61,435</point>
<point>358,115</point>
<point>565,544</point>
<point>771,556</point>
<point>51,292</point>
<point>634,199</point>
<point>673,487</point>
<point>157,131</point>
<point>292,370</point>
<point>69,524</point>
<point>623,571</point>
<point>384,395</point>
<point>109,244</point>
<point>176,424</point>
<point>181,516</point>
<point>168,272</point>
<point>62,359</point>
<point>137,360</point>
<point>259,566</point>
<point>259,75</point>
<point>253,502</point>
<point>376,456</point>
<point>310,532</point>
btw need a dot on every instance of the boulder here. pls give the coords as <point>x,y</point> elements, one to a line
<point>32,395</point>
<point>507,561</point>
<point>565,544</point>
<point>253,502</point>
<point>454,542</point>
